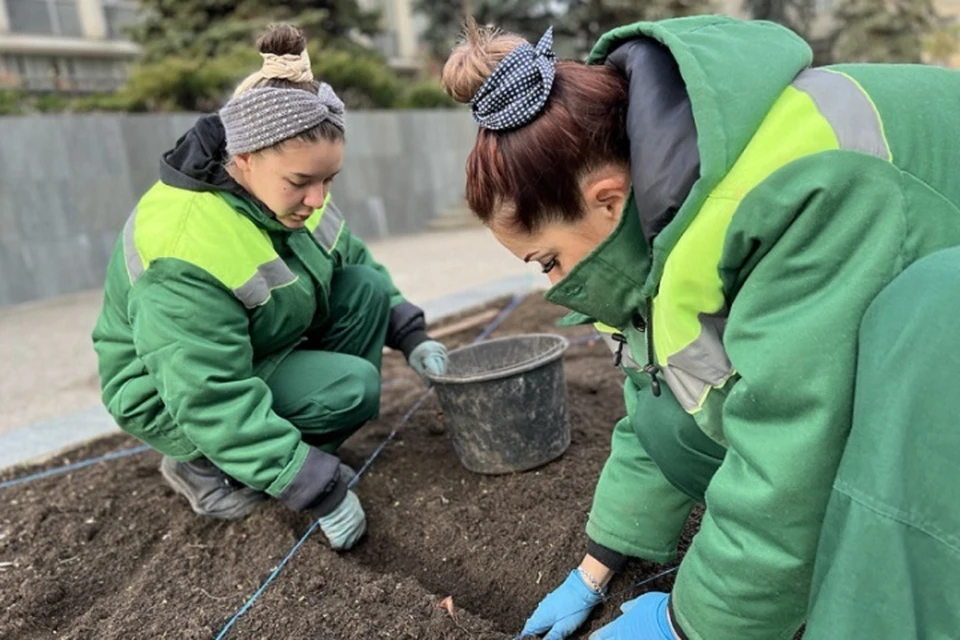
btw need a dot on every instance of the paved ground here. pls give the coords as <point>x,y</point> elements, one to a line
<point>49,368</point>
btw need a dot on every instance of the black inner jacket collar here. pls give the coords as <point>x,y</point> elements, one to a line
<point>664,160</point>
<point>198,163</point>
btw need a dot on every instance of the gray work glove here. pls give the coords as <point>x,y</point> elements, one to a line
<point>429,356</point>
<point>346,524</point>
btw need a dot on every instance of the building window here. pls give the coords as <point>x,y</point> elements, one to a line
<point>9,72</point>
<point>40,73</point>
<point>96,75</point>
<point>120,14</point>
<point>45,17</point>
<point>43,74</point>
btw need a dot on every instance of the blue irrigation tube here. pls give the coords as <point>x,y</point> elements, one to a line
<point>517,299</point>
<point>490,328</point>
<point>500,317</point>
<point>256,594</point>
<point>123,453</point>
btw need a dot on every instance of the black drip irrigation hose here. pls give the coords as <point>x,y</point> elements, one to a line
<point>115,455</point>
<point>123,453</point>
<point>490,328</point>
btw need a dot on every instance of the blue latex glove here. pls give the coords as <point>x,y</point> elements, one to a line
<point>428,357</point>
<point>344,525</point>
<point>644,618</point>
<point>563,610</point>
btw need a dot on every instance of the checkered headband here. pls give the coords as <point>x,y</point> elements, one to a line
<point>517,90</point>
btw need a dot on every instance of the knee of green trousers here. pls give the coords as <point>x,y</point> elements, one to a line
<point>676,444</point>
<point>359,397</point>
<point>359,286</point>
<point>358,315</point>
<point>326,395</point>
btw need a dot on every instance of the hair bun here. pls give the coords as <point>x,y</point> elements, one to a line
<point>474,59</point>
<point>282,40</point>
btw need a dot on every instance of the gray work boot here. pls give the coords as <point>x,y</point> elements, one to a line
<point>210,491</point>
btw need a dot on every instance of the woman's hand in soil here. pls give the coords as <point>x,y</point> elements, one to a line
<point>428,357</point>
<point>346,524</point>
<point>563,610</point>
<point>644,618</point>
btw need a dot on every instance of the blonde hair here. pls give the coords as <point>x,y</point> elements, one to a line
<point>477,54</point>
<point>286,65</point>
<point>286,62</point>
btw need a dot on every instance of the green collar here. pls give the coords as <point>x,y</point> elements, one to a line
<point>250,207</point>
<point>608,285</point>
<point>730,95</point>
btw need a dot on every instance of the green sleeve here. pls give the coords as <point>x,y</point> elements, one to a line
<point>817,240</point>
<point>192,335</point>
<point>353,251</point>
<point>407,325</point>
<point>636,511</point>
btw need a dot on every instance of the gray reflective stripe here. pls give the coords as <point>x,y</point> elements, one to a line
<point>847,108</point>
<point>613,345</point>
<point>256,291</point>
<point>252,293</point>
<point>701,365</point>
<point>134,263</point>
<point>328,230</point>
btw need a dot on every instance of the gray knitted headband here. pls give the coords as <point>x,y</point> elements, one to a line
<point>260,118</point>
<point>517,90</point>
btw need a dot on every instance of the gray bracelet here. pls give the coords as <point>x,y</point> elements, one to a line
<point>592,583</point>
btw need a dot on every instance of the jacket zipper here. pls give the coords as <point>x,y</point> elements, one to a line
<point>645,327</point>
<point>621,340</point>
<point>651,368</point>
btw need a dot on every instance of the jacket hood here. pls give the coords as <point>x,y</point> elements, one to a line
<point>196,162</point>
<point>731,73</point>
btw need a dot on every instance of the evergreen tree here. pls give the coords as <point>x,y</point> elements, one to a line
<point>207,28</point>
<point>195,52</point>
<point>584,21</point>
<point>577,23</point>
<point>882,30</point>
<point>797,15</point>
<point>529,18</point>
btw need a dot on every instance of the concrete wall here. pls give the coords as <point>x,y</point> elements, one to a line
<point>67,183</point>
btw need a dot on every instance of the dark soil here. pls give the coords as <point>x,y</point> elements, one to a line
<point>109,551</point>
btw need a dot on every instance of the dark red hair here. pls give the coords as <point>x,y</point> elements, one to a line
<point>536,169</point>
